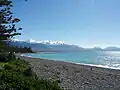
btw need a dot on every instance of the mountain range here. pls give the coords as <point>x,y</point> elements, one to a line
<point>46,45</point>
<point>49,45</point>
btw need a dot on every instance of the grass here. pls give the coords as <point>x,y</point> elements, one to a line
<point>17,75</point>
<point>2,64</point>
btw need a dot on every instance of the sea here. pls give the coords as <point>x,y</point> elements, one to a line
<point>106,59</point>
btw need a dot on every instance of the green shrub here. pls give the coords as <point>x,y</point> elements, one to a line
<point>18,81</point>
<point>11,56</point>
<point>28,72</point>
<point>9,67</point>
<point>17,75</point>
<point>20,65</point>
<point>3,57</point>
<point>47,85</point>
<point>14,80</point>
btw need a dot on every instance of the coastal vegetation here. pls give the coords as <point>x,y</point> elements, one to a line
<point>16,74</point>
<point>18,49</point>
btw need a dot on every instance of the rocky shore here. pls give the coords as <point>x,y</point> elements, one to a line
<point>74,76</point>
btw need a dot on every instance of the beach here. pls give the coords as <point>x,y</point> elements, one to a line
<point>72,76</point>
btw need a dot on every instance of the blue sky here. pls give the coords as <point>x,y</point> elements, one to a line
<point>86,23</point>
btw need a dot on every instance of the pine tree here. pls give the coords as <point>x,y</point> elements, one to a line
<point>7,23</point>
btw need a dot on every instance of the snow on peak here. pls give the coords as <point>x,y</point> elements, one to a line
<point>43,41</point>
<point>46,42</point>
<point>52,42</point>
<point>17,40</point>
<point>31,41</point>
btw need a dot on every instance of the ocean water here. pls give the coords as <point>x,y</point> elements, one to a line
<point>107,59</point>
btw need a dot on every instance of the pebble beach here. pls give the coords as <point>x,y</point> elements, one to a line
<point>72,76</point>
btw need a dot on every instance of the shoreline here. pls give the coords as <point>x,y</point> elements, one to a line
<point>90,65</point>
<point>75,76</point>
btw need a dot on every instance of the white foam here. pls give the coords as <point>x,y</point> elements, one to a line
<point>26,55</point>
<point>102,66</point>
<point>29,56</point>
<point>22,55</point>
<point>113,53</point>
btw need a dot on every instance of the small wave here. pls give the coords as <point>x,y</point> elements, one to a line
<point>26,55</point>
<point>115,66</point>
<point>29,56</point>
<point>22,55</point>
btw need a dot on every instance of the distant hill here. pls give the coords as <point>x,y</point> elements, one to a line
<point>94,49</point>
<point>46,46</point>
<point>57,46</point>
<point>112,49</point>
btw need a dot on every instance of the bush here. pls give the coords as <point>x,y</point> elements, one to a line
<point>8,67</point>
<point>28,72</point>
<point>47,85</point>
<point>3,57</point>
<point>17,75</point>
<point>11,56</point>
<point>18,81</point>
<point>14,80</point>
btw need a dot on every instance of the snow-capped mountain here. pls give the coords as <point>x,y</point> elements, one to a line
<point>43,42</point>
<point>49,45</point>
<point>46,45</point>
<point>52,42</point>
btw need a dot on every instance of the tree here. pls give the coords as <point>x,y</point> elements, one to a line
<point>7,23</point>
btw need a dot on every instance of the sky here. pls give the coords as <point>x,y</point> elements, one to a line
<point>86,23</point>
